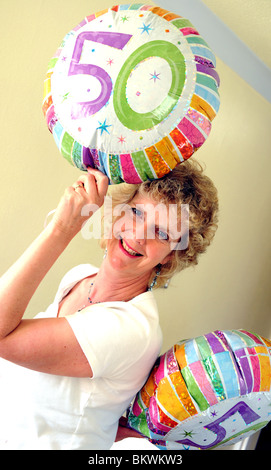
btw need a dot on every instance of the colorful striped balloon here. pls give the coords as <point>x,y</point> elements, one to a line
<point>132,91</point>
<point>206,392</point>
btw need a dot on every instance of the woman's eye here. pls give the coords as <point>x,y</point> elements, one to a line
<point>136,212</point>
<point>162,235</point>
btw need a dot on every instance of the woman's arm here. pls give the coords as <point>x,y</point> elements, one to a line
<point>30,342</point>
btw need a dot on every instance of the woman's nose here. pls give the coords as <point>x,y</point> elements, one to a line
<point>140,232</point>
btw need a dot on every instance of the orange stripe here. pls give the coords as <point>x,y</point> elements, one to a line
<point>49,74</point>
<point>171,16</point>
<point>180,355</point>
<point>182,143</point>
<point>265,369</point>
<point>182,392</point>
<point>100,13</point>
<point>170,402</point>
<point>203,107</point>
<point>145,397</point>
<point>149,388</point>
<point>168,152</point>
<point>157,161</point>
<point>267,342</point>
<point>159,11</point>
<point>165,420</point>
<point>47,104</point>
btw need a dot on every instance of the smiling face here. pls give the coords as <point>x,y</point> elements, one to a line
<point>143,237</point>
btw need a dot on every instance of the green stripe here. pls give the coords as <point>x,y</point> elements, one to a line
<point>52,63</point>
<point>207,81</point>
<point>135,6</point>
<point>66,147</point>
<point>194,390</point>
<point>203,347</point>
<point>255,427</point>
<point>77,156</point>
<point>196,40</point>
<point>141,164</point>
<point>213,373</point>
<point>139,422</point>
<point>182,23</point>
<point>248,340</point>
<point>114,169</point>
<point>210,367</point>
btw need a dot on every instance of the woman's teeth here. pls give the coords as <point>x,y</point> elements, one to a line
<point>128,249</point>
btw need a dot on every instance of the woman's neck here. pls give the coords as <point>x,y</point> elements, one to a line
<point>111,285</point>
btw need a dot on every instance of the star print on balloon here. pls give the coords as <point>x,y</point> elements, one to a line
<point>132,91</point>
<point>155,76</point>
<point>104,127</point>
<point>146,28</point>
<point>206,392</point>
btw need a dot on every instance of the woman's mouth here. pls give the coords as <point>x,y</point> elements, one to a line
<point>127,249</point>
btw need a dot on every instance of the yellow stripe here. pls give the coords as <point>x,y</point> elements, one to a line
<point>203,107</point>
<point>47,87</point>
<point>265,368</point>
<point>169,401</point>
<point>168,152</point>
<point>182,392</point>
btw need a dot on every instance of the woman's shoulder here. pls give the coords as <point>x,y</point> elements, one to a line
<point>77,273</point>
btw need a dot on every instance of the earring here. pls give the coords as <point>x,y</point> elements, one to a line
<point>105,253</point>
<point>154,281</point>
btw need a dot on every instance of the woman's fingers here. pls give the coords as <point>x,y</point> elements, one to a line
<point>101,181</point>
<point>94,185</point>
<point>80,201</point>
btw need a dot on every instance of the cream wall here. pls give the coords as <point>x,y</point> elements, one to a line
<point>230,286</point>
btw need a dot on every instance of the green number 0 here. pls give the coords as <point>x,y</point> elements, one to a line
<point>140,121</point>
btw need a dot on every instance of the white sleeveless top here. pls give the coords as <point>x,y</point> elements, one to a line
<point>121,341</point>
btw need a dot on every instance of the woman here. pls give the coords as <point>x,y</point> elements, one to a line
<point>69,374</point>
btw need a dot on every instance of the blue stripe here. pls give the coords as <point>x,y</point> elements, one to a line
<point>191,352</point>
<point>124,7</point>
<point>234,340</point>
<point>104,163</point>
<point>204,52</point>
<point>212,99</point>
<point>228,373</point>
<point>57,133</point>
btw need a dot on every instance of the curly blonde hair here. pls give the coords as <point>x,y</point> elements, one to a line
<point>185,184</point>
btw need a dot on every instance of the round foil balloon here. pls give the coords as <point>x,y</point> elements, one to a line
<point>132,91</point>
<point>206,392</point>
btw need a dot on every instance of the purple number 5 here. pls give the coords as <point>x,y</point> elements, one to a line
<point>245,411</point>
<point>116,40</point>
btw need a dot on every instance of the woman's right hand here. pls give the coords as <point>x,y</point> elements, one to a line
<point>89,190</point>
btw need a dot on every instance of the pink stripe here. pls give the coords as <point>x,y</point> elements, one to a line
<point>154,415</point>
<point>251,335</point>
<point>191,132</point>
<point>58,52</point>
<point>255,365</point>
<point>145,7</point>
<point>90,18</point>
<point>137,409</point>
<point>200,120</point>
<point>50,114</point>
<point>128,169</point>
<point>172,365</point>
<point>203,383</point>
<point>80,25</point>
<point>187,31</point>
<point>160,373</point>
